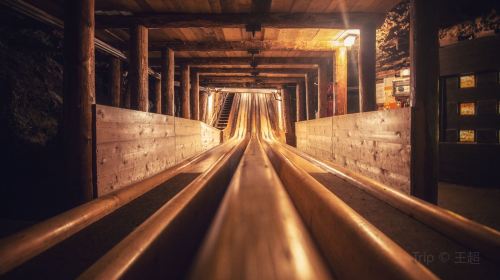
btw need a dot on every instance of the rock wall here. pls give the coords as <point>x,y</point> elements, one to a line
<point>393,47</point>
<point>31,99</point>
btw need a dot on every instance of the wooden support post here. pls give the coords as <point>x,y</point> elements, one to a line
<point>167,80</point>
<point>366,58</point>
<point>138,68</point>
<point>309,110</point>
<point>186,112</point>
<point>301,105</point>
<point>203,107</point>
<point>286,105</point>
<point>340,78</point>
<point>127,97</point>
<point>79,97</point>
<point>322,90</point>
<point>158,99</point>
<point>115,81</point>
<point>195,95</point>
<point>424,60</point>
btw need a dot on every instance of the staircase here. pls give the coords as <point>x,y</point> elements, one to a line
<point>224,114</point>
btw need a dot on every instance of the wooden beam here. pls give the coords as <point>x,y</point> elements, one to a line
<point>300,101</point>
<point>424,61</point>
<point>321,47</point>
<point>286,105</point>
<point>167,80</point>
<point>366,58</point>
<point>340,78</point>
<point>214,79</point>
<point>244,62</point>
<point>208,71</point>
<point>158,99</point>
<point>243,85</point>
<point>322,91</point>
<point>203,106</point>
<point>195,96</point>
<point>127,97</point>
<point>308,97</point>
<point>115,81</point>
<point>138,68</point>
<point>239,20</point>
<point>79,98</point>
<point>186,112</point>
<point>261,75</point>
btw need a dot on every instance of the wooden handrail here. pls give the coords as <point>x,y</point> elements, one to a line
<point>465,231</point>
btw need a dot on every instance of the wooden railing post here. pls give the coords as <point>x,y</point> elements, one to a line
<point>424,59</point>
<point>340,81</point>
<point>158,97</point>
<point>186,112</point>
<point>322,90</point>
<point>195,95</point>
<point>138,70</point>
<point>309,107</point>
<point>300,94</point>
<point>366,58</point>
<point>167,80</point>
<point>79,97</point>
<point>115,81</point>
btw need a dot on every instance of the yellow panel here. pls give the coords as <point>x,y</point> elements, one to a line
<point>467,81</point>
<point>467,135</point>
<point>467,109</point>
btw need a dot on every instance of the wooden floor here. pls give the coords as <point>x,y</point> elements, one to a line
<point>478,204</point>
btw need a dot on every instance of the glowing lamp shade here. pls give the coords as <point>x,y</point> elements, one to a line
<point>349,40</point>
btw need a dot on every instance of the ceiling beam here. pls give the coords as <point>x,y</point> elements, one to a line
<point>266,45</point>
<point>245,90</point>
<point>244,62</point>
<point>271,75</point>
<point>239,20</point>
<point>208,71</point>
<point>236,79</point>
<point>246,85</point>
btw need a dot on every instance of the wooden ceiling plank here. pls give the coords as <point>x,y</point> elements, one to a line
<point>239,20</point>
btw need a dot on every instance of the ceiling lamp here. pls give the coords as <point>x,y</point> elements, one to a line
<point>349,40</point>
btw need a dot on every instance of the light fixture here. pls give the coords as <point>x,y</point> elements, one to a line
<point>349,40</point>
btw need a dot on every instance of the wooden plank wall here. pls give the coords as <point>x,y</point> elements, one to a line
<point>375,144</point>
<point>133,145</point>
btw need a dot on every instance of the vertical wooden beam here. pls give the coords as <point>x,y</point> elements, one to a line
<point>127,97</point>
<point>138,68</point>
<point>366,58</point>
<point>301,104</point>
<point>167,80</point>
<point>309,107</point>
<point>203,107</point>
<point>424,60</point>
<point>286,104</point>
<point>340,78</point>
<point>195,95</point>
<point>322,90</point>
<point>79,98</point>
<point>158,99</point>
<point>115,81</point>
<point>186,112</point>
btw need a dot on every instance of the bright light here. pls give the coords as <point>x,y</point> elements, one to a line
<point>349,40</point>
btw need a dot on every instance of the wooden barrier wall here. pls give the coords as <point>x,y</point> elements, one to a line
<point>133,145</point>
<point>374,144</point>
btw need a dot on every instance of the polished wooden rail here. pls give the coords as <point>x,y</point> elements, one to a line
<point>346,239</point>
<point>162,246</point>
<point>465,231</point>
<point>20,247</point>
<point>257,233</point>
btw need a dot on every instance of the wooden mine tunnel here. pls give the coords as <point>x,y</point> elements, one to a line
<point>246,140</point>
